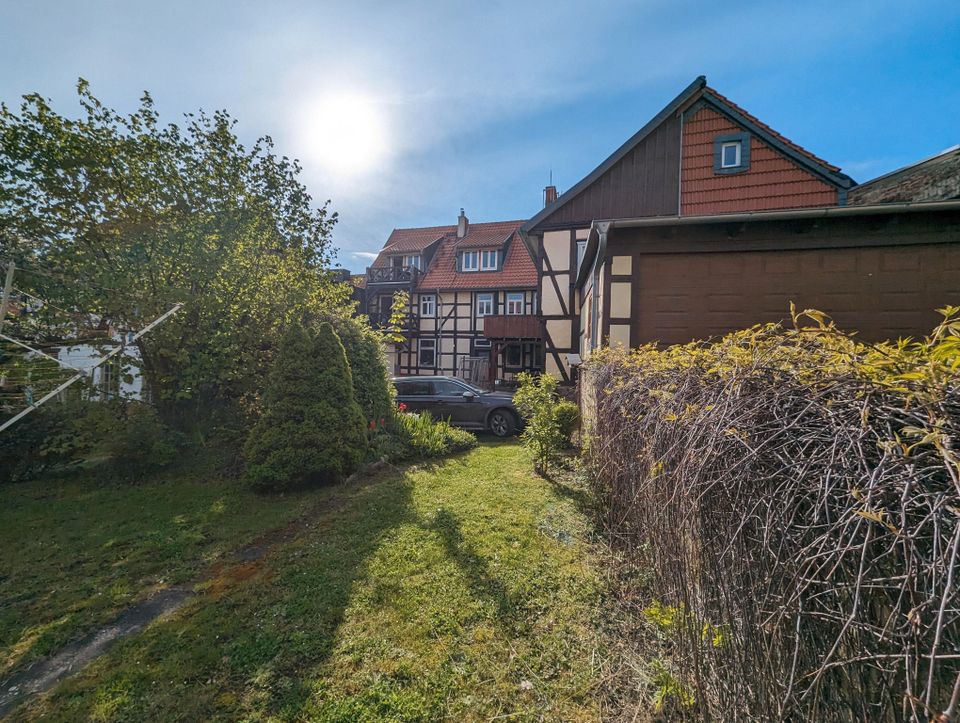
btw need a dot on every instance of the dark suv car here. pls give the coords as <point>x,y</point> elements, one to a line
<point>463,405</point>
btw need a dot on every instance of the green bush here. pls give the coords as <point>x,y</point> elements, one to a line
<point>549,421</point>
<point>311,428</point>
<point>418,436</point>
<point>568,417</point>
<point>131,435</point>
<point>368,367</point>
<point>127,435</point>
<point>25,449</point>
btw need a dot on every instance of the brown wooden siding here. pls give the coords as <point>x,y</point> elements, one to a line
<point>510,326</point>
<point>881,278</point>
<point>772,182</point>
<point>645,182</point>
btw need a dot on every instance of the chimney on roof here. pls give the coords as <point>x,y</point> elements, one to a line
<point>463,223</point>
<point>549,195</point>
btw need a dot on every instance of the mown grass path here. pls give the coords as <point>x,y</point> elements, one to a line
<point>463,590</point>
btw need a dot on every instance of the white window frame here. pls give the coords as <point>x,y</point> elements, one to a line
<point>484,301</point>
<point>474,257</point>
<point>581,251</point>
<point>738,146</point>
<point>482,343</point>
<point>412,260</point>
<point>514,303</point>
<point>428,305</point>
<point>485,256</point>
<point>427,345</point>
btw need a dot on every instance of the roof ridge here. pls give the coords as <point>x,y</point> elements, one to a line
<point>782,138</point>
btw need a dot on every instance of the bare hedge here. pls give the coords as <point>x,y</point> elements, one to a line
<point>797,494</point>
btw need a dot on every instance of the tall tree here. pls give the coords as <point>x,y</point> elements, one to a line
<point>128,216</point>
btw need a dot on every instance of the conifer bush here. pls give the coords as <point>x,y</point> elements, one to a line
<point>311,428</point>
<point>368,367</point>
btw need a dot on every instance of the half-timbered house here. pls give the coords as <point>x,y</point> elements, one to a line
<point>473,300</point>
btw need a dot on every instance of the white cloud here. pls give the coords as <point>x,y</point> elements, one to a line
<point>366,255</point>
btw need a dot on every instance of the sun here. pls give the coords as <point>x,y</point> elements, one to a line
<point>345,133</point>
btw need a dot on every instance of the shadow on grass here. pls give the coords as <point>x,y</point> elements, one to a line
<point>474,567</point>
<point>563,482</point>
<point>240,650</point>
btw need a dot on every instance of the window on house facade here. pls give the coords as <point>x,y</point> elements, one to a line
<point>488,260</point>
<point>731,153</point>
<point>484,305</point>
<point>413,261</point>
<point>481,347</point>
<point>470,261</point>
<point>581,250</point>
<point>512,356</point>
<point>515,303</point>
<point>428,305</point>
<point>427,354</point>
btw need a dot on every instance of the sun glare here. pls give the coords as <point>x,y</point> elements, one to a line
<point>345,133</point>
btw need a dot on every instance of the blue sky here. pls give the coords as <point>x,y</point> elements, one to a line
<point>473,104</point>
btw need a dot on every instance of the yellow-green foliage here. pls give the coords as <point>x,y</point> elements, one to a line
<point>789,478</point>
<point>668,619</point>
<point>812,351</point>
<point>668,690</point>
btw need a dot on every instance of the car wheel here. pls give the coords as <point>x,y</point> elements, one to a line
<point>501,423</point>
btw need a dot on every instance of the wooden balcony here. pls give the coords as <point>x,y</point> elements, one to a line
<point>392,275</point>
<point>512,327</point>
<point>410,325</point>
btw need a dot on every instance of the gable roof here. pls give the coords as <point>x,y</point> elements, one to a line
<point>517,271</point>
<point>935,178</point>
<point>688,100</point>
<point>410,240</point>
<point>672,107</point>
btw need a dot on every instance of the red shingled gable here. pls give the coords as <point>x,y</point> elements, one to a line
<point>753,119</point>
<point>518,270</point>
<point>772,182</point>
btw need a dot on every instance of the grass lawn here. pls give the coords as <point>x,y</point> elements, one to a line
<point>464,589</point>
<point>74,551</point>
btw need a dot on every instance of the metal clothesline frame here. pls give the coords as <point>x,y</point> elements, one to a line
<point>84,372</point>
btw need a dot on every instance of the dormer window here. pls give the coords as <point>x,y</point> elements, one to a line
<point>486,260</point>
<point>731,153</point>
<point>412,261</point>
<point>470,261</point>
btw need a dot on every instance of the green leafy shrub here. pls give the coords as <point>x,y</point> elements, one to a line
<point>549,421</point>
<point>26,449</point>
<point>783,479</point>
<point>419,436</point>
<point>125,434</point>
<point>311,428</point>
<point>131,435</point>
<point>568,417</point>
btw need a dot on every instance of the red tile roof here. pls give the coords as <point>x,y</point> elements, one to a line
<point>518,270</point>
<point>410,240</point>
<point>488,235</point>
<point>768,129</point>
